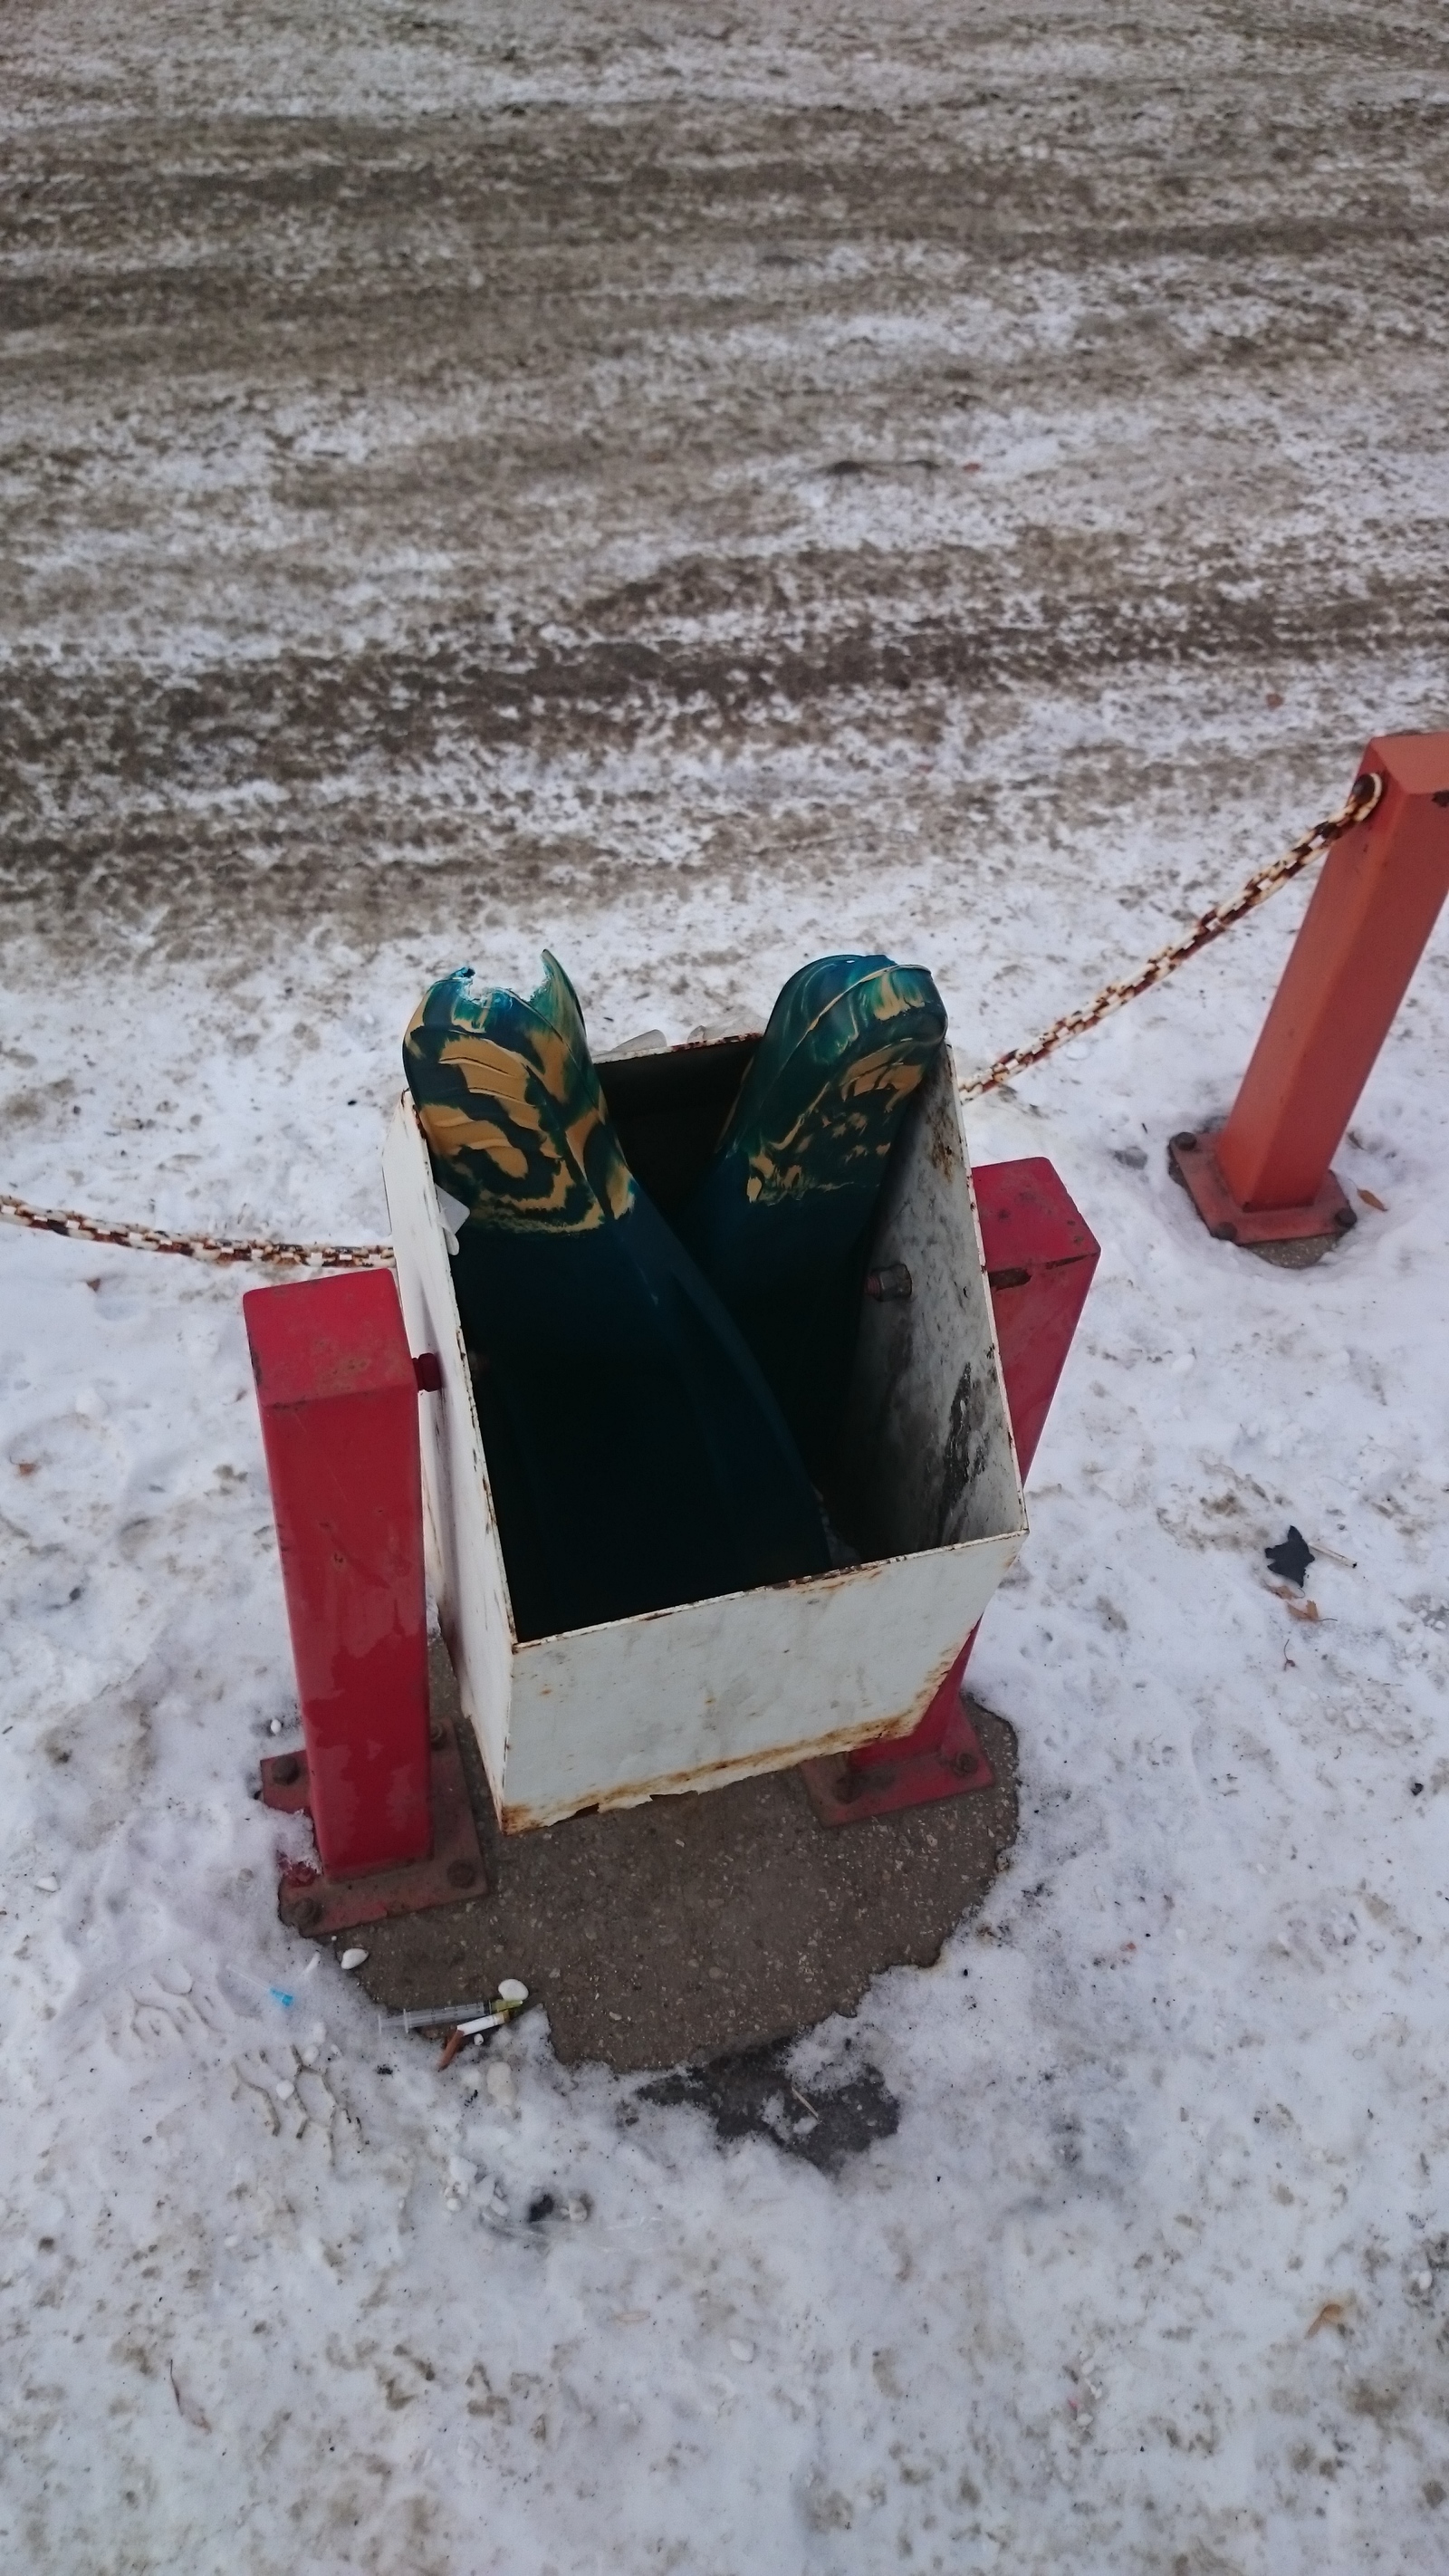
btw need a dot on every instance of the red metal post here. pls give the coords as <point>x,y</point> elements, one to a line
<point>1264,1177</point>
<point>1040,1257</point>
<point>339,1407</point>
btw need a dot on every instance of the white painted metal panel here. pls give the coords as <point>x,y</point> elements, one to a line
<point>754,1681</point>
<point>465,1561</point>
<point>711,1691</point>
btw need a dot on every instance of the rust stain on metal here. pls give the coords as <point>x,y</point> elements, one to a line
<point>941,1145</point>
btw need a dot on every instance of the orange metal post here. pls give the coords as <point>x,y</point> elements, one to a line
<point>1264,1177</point>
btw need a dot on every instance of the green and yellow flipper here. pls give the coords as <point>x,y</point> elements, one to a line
<point>636,1455</point>
<point>780,1221</point>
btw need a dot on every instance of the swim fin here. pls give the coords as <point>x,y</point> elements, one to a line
<point>636,1454</point>
<point>781,1222</point>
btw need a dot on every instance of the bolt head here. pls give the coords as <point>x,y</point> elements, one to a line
<point>1185,1143</point>
<point>1227,1232</point>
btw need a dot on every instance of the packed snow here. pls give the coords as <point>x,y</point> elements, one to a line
<point>1155,2263</point>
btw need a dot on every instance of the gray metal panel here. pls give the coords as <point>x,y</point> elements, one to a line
<point>930,1455</point>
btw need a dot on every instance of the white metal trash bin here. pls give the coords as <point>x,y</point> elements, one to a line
<point>713,1691</point>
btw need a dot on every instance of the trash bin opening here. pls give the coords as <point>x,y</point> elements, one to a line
<point>669,1110</point>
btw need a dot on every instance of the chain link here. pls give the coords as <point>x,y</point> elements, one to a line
<point>1363,796</point>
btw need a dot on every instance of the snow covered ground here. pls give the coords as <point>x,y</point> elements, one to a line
<point>1153,2278</point>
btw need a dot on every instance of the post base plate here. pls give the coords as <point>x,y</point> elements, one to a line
<point>843,1793</point>
<point>1192,1161</point>
<point>310,1901</point>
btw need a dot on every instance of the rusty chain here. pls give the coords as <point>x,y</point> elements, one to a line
<point>1362,798</point>
<point>197,1247</point>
